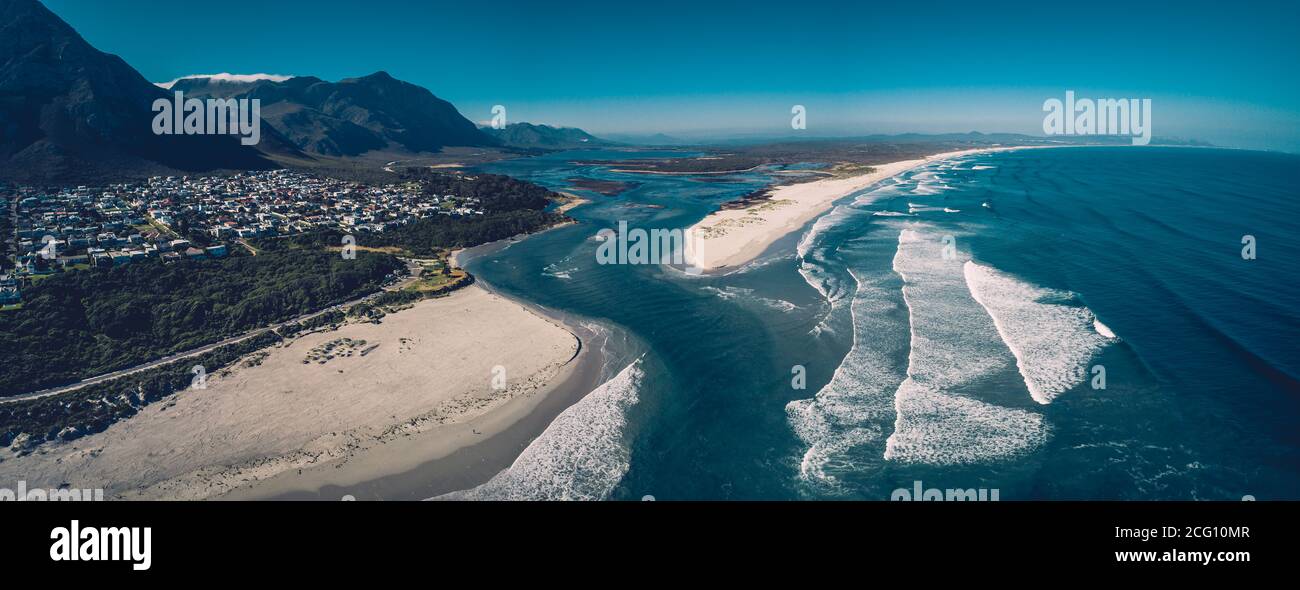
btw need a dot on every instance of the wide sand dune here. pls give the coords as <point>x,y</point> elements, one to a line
<point>325,397</point>
<point>732,237</point>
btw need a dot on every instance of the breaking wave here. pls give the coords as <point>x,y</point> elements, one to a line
<point>953,343</point>
<point>1052,341</point>
<point>582,455</point>
<point>854,407</point>
<point>813,266</point>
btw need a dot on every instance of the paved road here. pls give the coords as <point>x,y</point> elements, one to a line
<point>189,353</point>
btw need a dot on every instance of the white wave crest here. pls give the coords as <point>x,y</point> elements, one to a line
<point>810,238</point>
<point>943,429</point>
<point>953,343</point>
<point>582,455</point>
<point>914,208</point>
<point>1052,342</point>
<point>812,257</point>
<point>853,408</point>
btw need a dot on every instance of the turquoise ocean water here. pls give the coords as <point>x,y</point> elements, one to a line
<point>954,324</point>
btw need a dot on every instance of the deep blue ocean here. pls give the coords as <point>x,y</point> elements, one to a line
<point>1073,323</point>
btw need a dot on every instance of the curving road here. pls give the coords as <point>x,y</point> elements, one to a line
<point>192,352</point>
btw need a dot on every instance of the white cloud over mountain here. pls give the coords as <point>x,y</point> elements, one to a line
<point>227,77</point>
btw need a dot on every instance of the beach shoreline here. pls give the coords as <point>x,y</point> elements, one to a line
<point>336,407</point>
<point>464,455</point>
<point>729,238</point>
<point>461,457</point>
<point>572,201</point>
<point>454,456</point>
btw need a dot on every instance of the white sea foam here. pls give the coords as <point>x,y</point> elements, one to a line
<point>982,167</point>
<point>1052,341</point>
<point>1103,329</point>
<point>760,262</point>
<point>816,276</point>
<point>953,343</point>
<point>555,273</point>
<point>727,292</point>
<point>778,304</point>
<point>914,208</point>
<point>811,237</point>
<point>944,429</point>
<point>560,270</point>
<point>855,407</point>
<point>823,326</point>
<point>812,258</point>
<point>731,293</point>
<point>582,455</point>
<point>890,214</point>
<point>929,185</point>
<point>893,188</point>
<point>816,271</point>
<point>949,343</point>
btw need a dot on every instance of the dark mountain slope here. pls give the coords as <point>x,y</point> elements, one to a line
<point>530,136</point>
<point>352,116</point>
<point>69,111</point>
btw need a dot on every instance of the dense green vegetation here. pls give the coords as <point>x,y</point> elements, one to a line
<point>407,296</point>
<point>427,236</point>
<point>80,324</point>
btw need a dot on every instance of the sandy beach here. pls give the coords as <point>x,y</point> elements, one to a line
<point>572,202</point>
<point>330,408</point>
<point>732,237</point>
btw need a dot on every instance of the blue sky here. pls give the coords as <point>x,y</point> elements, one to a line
<point>1216,71</point>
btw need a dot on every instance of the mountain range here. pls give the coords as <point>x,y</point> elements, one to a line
<point>532,136</point>
<point>69,112</point>
<point>352,116</point>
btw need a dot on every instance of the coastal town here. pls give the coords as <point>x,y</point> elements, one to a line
<point>171,218</point>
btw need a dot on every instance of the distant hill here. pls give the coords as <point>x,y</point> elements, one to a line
<point>657,139</point>
<point>352,116</point>
<point>69,111</point>
<point>530,136</point>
